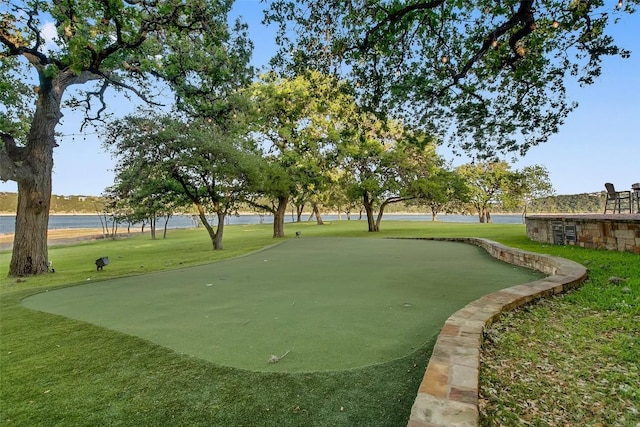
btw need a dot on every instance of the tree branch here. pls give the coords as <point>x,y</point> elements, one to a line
<point>129,88</point>
<point>31,25</point>
<point>147,3</point>
<point>33,55</point>
<point>189,188</point>
<point>396,16</point>
<point>103,105</point>
<point>15,153</point>
<point>524,16</point>
<point>261,206</point>
<point>11,160</point>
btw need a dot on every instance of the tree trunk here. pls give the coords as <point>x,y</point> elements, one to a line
<point>203,220</point>
<point>217,240</point>
<point>152,225</point>
<point>278,216</point>
<point>299,210</point>
<point>114,229</point>
<point>166,222</point>
<point>487,214</point>
<point>30,254</point>
<point>103,224</point>
<point>368,207</point>
<point>380,213</point>
<point>316,211</point>
<point>434,214</point>
<point>347,212</point>
<point>32,169</point>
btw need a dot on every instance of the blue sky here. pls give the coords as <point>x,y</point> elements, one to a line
<point>599,142</point>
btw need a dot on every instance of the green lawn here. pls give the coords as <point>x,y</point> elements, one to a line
<point>571,360</point>
<point>333,302</point>
<point>59,371</point>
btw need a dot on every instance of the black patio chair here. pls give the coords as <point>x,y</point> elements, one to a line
<point>617,198</point>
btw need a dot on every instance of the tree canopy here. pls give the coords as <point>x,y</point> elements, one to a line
<point>158,51</point>
<point>385,163</point>
<point>298,122</point>
<point>495,183</point>
<point>186,163</point>
<point>489,77</point>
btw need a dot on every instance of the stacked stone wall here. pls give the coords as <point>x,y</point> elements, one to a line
<point>610,232</point>
<point>448,393</point>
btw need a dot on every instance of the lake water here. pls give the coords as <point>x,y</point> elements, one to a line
<point>7,223</point>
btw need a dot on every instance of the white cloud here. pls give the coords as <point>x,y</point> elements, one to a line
<point>50,35</point>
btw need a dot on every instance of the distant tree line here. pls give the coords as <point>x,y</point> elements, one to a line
<point>565,203</point>
<point>574,203</point>
<point>59,204</point>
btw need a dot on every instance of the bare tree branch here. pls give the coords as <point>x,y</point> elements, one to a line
<point>103,105</point>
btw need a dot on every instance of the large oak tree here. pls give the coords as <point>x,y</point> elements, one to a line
<point>300,119</point>
<point>489,76</point>
<point>139,47</point>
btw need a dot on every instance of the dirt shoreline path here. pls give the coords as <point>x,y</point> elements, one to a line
<point>56,237</point>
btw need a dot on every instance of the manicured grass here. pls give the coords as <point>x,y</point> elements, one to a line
<point>57,371</point>
<point>333,303</point>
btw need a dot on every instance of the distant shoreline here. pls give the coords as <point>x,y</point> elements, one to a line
<point>64,236</point>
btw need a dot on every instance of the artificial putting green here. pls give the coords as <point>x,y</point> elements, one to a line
<point>332,303</point>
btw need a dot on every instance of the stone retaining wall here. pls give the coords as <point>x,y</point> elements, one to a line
<point>619,232</point>
<point>448,394</point>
